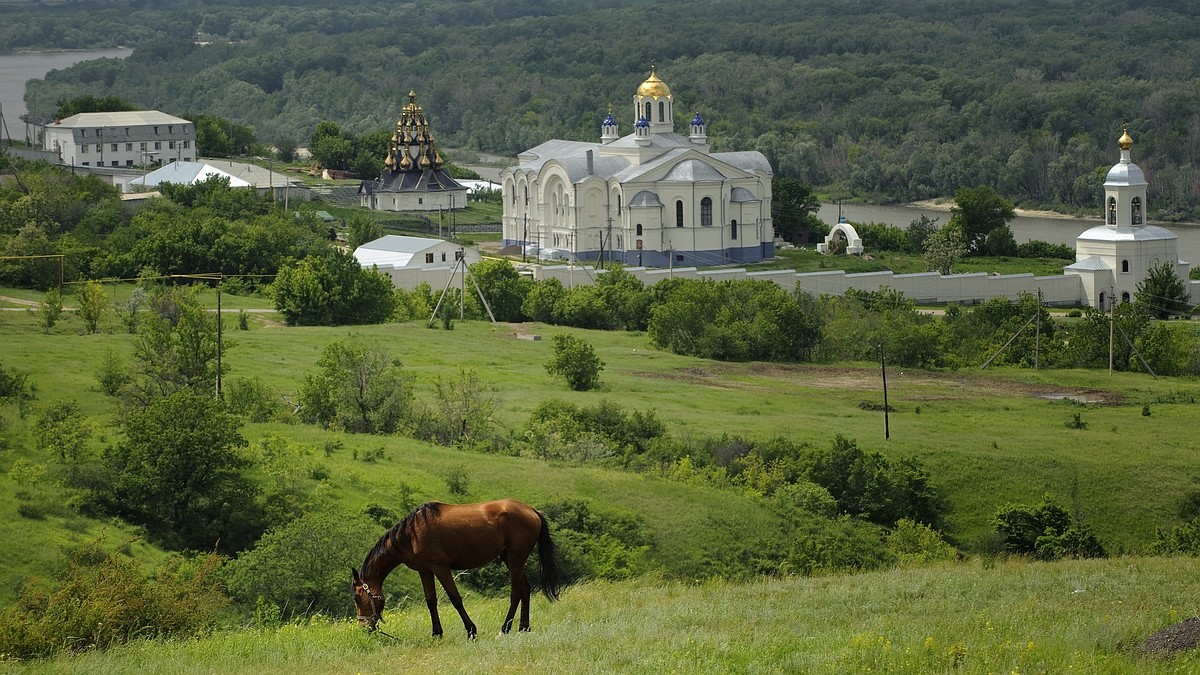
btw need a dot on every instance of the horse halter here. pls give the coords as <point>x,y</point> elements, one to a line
<point>375,616</point>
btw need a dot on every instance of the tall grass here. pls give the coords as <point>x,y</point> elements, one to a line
<point>1074,616</point>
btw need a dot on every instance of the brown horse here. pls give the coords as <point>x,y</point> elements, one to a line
<point>436,538</point>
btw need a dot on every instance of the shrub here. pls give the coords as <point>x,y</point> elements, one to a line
<point>300,567</point>
<point>104,599</point>
<point>911,541</point>
<point>576,362</point>
<point>1045,531</point>
<point>597,544</point>
<point>252,398</point>
<point>1183,539</point>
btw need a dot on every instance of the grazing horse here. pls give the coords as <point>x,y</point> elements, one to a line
<point>436,538</point>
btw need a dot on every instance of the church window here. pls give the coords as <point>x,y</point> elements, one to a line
<point>443,257</point>
<point>618,205</point>
<point>662,111</point>
<point>639,229</point>
<point>733,229</point>
<point>1112,211</point>
<point>1125,296</point>
<point>647,115</point>
<point>679,213</point>
<point>1125,266</point>
<point>1136,208</point>
<point>526,195</point>
<point>706,212</point>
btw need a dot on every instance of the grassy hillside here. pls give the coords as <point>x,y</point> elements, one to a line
<point>1010,617</point>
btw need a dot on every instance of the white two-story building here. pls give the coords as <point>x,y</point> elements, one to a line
<point>121,139</point>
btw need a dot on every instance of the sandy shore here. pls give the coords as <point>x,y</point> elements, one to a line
<point>944,204</point>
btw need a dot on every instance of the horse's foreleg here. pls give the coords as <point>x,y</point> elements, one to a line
<point>431,602</point>
<point>447,580</point>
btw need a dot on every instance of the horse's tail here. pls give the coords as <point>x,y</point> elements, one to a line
<point>551,572</point>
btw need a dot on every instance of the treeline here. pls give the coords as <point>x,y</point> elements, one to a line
<point>878,101</point>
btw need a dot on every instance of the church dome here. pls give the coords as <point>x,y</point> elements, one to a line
<point>654,87</point>
<point>1125,172</point>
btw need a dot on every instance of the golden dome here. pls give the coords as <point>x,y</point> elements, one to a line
<point>654,87</point>
<point>1125,142</point>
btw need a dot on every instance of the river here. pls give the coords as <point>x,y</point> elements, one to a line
<point>17,69</point>
<point>1024,227</point>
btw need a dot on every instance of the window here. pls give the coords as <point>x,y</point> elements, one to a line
<point>129,147</point>
<point>733,229</point>
<point>126,131</point>
<point>99,147</point>
<point>420,200</point>
<point>662,111</point>
<point>158,145</point>
<point>114,163</point>
<point>1125,266</point>
<point>1125,296</point>
<point>443,257</point>
<point>171,130</point>
<point>87,163</point>
<point>429,257</point>
<point>458,255</point>
<point>706,212</point>
<point>99,133</point>
<point>1112,210</point>
<point>1136,211</point>
<point>619,207</point>
<point>114,147</point>
<point>155,131</point>
<point>187,144</point>
<point>142,146</point>
<point>647,115</point>
<point>1102,299</point>
<point>83,133</point>
<point>83,149</point>
<point>679,213</point>
<point>679,257</point>
<point>129,162</point>
<point>639,229</point>
<point>170,145</point>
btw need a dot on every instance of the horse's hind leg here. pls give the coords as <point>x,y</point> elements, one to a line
<point>447,580</point>
<point>518,594</point>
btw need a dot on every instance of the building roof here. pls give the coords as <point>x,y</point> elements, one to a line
<point>126,118</point>
<point>693,170</point>
<point>186,173</point>
<point>1138,233</point>
<point>1092,264</point>
<point>393,249</point>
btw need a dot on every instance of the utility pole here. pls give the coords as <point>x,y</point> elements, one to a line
<point>1112,322</point>
<point>883,369</point>
<point>1037,341</point>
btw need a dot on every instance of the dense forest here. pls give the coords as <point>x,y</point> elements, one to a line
<point>883,101</point>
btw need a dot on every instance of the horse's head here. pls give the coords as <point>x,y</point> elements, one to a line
<point>368,604</point>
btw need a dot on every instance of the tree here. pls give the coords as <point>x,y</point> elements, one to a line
<point>1046,531</point>
<point>1162,293</point>
<point>358,387</point>
<point>979,211</point>
<point>175,349</point>
<point>50,309</point>
<point>575,361</point>
<point>362,228</point>
<point>462,410</point>
<point>88,103</point>
<point>944,248</point>
<point>93,303</point>
<point>62,429</point>
<point>793,208</point>
<point>504,288</point>
<point>332,289</point>
<point>178,473</point>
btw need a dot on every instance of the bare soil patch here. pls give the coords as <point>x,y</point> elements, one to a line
<point>1173,639</point>
<point>740,375</point>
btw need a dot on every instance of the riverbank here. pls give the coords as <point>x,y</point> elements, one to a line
<point>944,204</point>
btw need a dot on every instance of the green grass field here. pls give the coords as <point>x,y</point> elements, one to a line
<point>1012,617</point>
<point>988,438</point>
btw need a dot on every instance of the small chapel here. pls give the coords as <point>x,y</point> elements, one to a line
<point>651,198</point>
<point>414,177</point>
<point>1111,259</point>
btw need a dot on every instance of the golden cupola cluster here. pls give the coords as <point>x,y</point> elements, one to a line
<point>412,145</point>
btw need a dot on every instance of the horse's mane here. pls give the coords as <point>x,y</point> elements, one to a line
<point>396,534</point>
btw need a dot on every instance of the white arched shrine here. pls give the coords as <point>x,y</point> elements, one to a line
<point>847,232</point>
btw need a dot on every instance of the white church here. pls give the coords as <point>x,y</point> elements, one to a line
<point>653,198</point>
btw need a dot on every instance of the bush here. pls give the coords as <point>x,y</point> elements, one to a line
<point>911,541</point>
<point>597,544</point>
<point>1045,531</point>
<point>1184,539</point>
<point>301,567</point>
<point>576,362</point>
<point>104,599</point>
<point>252,398</point>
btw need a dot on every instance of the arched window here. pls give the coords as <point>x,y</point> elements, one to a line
<point>639,229</point>
<point>679,213</point>
<point>706,212</point>
<point>1125,296</point>
<point>1112,210</point>
<point>1125,266</point>
<point>618,205</point>
<point>526,195</point>
<point>662,111</point>
<point>1102,299</point>
<point>647,115</point>
<point>733,229</point>
<point>1135,215</point>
